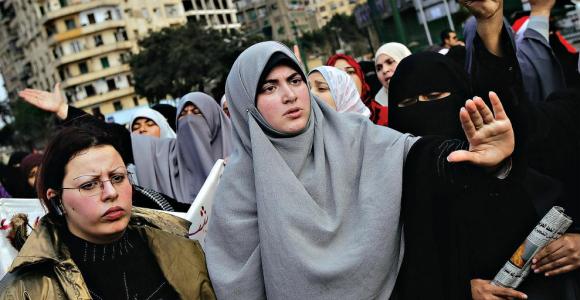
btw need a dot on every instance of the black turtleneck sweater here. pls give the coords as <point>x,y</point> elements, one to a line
<point>124,269</point>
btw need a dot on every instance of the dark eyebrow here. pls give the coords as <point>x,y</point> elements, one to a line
<point>293,75</point>
<point>272,81</point>
<point>97,175</point>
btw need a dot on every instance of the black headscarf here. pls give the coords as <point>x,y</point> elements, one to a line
<point>425,73</point>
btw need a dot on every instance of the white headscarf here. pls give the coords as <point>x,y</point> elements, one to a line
<point>343,90</point>
<point>397,52</point>
<point>223,101</point>
<point>158,118</point>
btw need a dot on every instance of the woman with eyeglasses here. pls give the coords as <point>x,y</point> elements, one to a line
<point>176,167</point>
<point>93,244</point>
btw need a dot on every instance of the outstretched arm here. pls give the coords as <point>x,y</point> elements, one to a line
<point>489,15</point>
<point>51,102</point>
<point>490,135</point>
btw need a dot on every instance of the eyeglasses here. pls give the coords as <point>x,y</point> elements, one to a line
<point>95,187</point>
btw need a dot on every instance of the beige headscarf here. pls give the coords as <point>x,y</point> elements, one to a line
<point>397,51</point>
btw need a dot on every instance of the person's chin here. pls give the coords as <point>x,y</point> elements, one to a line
<point>296,126</point>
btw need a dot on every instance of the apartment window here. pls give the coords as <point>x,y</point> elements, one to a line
<point>125,57</point>
<point>71,96</point>
<point>111,84</point>
<point>108,15</point>
<point>105,62</point>
<point>121,35</point>
<point>83,68</point>
<point>145,13</point>
<point>75,46</point>
<point>221,18</point>
<point>130,80</point>
<point>171,11</point>
<point>98,40</point>
<point>118,105</point>
<point>91,18</point>
<point>135,101</point>
<point>70,24</point>
<point>216,4</point>
<point>198,4</point>
<point>187,5</point>
<point>157,11</point>
<point>90,90</point>
<point>50,29</point>
<point>64,73</point>
<point>229,18</point>
<point>42,12</point>
<point>63,3</point>
<point>57,51</point>
<point>252,15</point>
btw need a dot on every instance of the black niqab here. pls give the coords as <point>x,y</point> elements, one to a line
<point>422,74</point>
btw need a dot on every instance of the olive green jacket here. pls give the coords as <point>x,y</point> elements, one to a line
<point>44,269</point>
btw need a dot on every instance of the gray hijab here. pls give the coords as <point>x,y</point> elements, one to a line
<point>309,216</point>
<point>179,167</point>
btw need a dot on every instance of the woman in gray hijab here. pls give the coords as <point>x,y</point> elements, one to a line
<point>308,206</point>
<point>179,167</point>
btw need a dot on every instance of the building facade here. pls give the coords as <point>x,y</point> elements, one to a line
<point>277,19</point>
<point>86,45</point>
<point>326,9</point>
<point>217,14</point>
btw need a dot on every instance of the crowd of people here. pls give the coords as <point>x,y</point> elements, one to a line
<point>421,189</point>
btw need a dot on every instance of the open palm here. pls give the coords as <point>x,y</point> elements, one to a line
<point>490,135</point>
<point>51,102</point>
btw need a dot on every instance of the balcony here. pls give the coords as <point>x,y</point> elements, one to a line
<point>86,30</point>
<point>211,12</point>
<point>115,94</point>
<point>76,8</point>
<point>67,59</point>
<point>91,76</point>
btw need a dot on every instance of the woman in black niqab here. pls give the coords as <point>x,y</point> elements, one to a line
<point>451,240</point>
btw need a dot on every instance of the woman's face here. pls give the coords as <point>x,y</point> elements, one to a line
<point>284,101</point>
<point>320,88</point>
<point>189,109</point>
<point>351,71</point>
<point>145,126</point>
<point>32,177</point>
<point>226,108</point>
<point>386,67</point>
<point>94,214</point>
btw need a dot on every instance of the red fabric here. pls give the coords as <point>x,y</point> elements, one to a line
<point>353,63</point>
<point>379,113</point>
<point>519,23</point>
<point>566,44</point>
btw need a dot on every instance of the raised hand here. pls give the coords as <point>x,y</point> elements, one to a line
<point>491,138</point>
<point>560,256</point>
<point>52,102</point>
<point>542,7</point>
<point>489,15</point>
<point>482,9</point>
<point>484,290</point>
